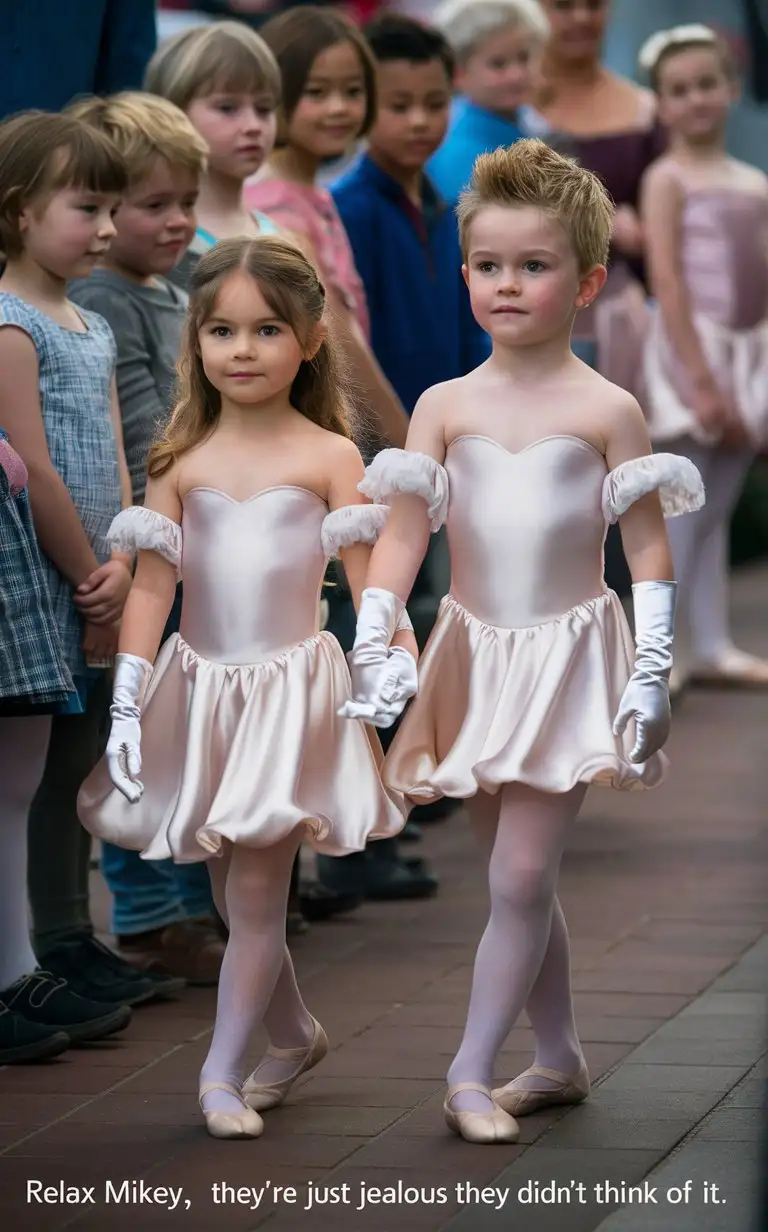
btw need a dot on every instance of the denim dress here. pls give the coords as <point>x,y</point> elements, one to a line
<point>75,375</point>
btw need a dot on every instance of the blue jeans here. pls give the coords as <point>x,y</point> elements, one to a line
<point>148,894</point>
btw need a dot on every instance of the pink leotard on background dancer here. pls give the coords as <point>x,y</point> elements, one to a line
<point>705,217</point>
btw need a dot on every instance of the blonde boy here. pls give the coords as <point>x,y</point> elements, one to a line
<point>498,46</point>
<point>162,915</point>
<point>165,157</point>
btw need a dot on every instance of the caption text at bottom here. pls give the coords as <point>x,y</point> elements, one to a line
<point>363,1195</point>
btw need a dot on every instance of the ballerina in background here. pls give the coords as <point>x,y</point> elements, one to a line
<point>530,687</point>
<point>234,730</point>
<point>706,367</point>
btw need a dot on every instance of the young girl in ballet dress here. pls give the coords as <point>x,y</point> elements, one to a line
<point>530,687</point>
<point>229,749</point>
<point>706,367</point>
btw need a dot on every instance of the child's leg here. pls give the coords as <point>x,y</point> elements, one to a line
<point>256,896</point>
<point>550,1004</point>
<point>522,874</point>
<point>709,595</point>
<point>287,1020</point>
<point>23,748</point>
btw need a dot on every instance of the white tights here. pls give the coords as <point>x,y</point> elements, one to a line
<point>23,749</point>
<point>523,960</point>
<point>257,983</point>
<point>699,543</point>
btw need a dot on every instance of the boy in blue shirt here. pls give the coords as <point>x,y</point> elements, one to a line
<point>498,45</point>
<point>405,241</point>
<point>403,234</point>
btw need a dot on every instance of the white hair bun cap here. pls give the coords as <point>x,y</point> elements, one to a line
<point>653,48</point>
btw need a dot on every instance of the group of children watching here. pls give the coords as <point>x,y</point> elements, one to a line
<point>230,137</point>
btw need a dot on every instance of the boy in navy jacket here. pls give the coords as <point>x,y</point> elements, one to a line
<point>403,235</point>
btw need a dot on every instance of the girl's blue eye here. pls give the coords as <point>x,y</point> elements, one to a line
<point>529,264</point>
<point>269,331</point>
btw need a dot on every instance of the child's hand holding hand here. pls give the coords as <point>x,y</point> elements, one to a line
<point>101,597</point>
<point>99,644</point>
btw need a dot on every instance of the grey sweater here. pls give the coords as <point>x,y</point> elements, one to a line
<point>147,324</point>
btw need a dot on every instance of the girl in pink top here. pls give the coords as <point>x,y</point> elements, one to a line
<point>328,101</point>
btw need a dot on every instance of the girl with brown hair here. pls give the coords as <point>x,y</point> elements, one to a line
<point>234,731</point>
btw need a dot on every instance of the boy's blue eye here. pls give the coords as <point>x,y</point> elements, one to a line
<point>539,265</point>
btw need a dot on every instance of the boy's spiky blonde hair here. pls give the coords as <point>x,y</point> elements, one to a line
<point>144,128</point>
<point>530,173</point>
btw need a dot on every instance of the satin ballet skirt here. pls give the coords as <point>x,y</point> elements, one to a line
<point>240,738</point>
<point>724,256</point>
<point>522,677</point>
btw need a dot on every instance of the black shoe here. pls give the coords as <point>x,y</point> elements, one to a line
<point>319,903</point>
<point>23,1041</point>
<point>43,999</point>
<point>394,882</point>
<point>295,924</point>
<point>410,833</point>
<point>97,974</point>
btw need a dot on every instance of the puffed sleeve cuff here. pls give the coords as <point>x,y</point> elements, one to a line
<point>352,524</point>
<point>676,479</point>
<point>399,472</point>
<point>139,529</point>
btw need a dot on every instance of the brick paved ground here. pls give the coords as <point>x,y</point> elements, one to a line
<point>664,893</point>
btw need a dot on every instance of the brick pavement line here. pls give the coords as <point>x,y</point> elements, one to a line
<point>711,1143</point>
<point>581,1131</point>
<point>94,1099</point>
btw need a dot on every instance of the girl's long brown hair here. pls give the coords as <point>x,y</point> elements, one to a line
<point>291,287</point>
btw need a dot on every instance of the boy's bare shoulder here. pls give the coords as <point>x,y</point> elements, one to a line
<point>610,408</point>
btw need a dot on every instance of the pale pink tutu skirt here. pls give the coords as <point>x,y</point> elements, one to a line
<point>248,754</point>
<point>533,705</point>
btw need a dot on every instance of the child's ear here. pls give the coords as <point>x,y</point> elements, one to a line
<point>465,273</point>
<point>316,340</point>
<point>590,286</point>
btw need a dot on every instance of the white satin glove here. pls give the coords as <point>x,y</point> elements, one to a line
<point>132,675</point>
<point>384,677</point>
<point>646,697</point>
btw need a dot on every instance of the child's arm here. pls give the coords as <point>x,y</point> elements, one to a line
<point>662,205</point>
<point>57,523</point>
<point>102,597</point>
<point>398,554</point>
<point>144,618</point>
<point>154,584</point>
<point>347,473</point>
<point>643,531</point>
<point>126,487</point>
<point>634,495</point>
<point>414,484</point>
<point>366,375</point>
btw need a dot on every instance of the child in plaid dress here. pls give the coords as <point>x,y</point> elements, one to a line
<point>60,183</point>
<point>34,678</point>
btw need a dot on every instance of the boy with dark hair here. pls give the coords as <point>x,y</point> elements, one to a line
<point>403,235</point>
<point>405,242</point>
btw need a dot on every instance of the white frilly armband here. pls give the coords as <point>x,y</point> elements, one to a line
<point>352,524</point>
<point>139,529</point>
<point>356,524</point>
<point>679,484</point>
<point>399,472</point>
